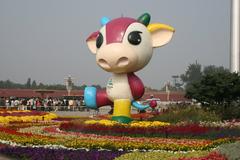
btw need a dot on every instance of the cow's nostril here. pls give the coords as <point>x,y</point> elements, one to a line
<point>103,63</point>
<point>123,61</point>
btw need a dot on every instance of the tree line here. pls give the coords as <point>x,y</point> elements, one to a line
<point>8,84</point>
<point>216,88</point>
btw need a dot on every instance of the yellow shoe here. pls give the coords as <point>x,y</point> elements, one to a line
<point>122,110</point>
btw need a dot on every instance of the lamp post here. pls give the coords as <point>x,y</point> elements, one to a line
<point>175,77</point>
<point>234,56</point>
<point>167,90</point>
<point>69,84</point>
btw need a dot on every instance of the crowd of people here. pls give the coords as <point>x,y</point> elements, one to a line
<point>46,104</point>
<point>60,104</point>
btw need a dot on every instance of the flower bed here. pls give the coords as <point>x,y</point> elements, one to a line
<point>93,141</point>
<point>224,124</point>
<point>48,138</point>
<point>137,124</point>
<point>25,116</point>
<point>137,116</point>
<point>199,155</point>
<point>211,156</point>
<point>23,153</point>
<point>151,129</point>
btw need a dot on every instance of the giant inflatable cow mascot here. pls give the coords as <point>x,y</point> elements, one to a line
<point>123,46</point>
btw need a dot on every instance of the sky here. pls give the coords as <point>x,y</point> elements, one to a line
<point>46,39</point>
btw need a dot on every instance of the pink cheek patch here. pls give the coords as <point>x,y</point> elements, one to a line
<point>116,29</point>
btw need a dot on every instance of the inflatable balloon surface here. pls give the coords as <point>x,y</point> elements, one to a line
<point>124,46</point>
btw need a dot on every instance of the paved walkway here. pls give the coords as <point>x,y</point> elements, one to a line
<point>91,112</point>
<point>81,113</point>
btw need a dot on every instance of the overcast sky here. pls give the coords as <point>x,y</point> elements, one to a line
<point>45,39</point>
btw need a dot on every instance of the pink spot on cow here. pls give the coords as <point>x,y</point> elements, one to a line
<point>116,29</point>
<point>136,85</point>
<point>102,99</point>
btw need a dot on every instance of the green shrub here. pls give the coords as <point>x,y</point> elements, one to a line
<point>230,112</point>
<point>194,114</point>
<point>231,151</point>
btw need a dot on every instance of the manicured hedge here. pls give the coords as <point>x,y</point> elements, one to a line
<point>194,114</point>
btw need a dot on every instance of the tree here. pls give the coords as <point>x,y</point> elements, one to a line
<point>10,84</point>
<point>218,89</point>
<point>213,69</point>
<point>192,74</point>
<point>28,83</point>
<point>41,86</point>
<point>34,84</point>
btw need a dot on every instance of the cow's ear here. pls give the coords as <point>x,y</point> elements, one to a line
<point>91,42</point>
<point>161,34</point>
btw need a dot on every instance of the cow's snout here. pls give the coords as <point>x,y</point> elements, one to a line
<point>116,58</point>
<point>103,63</point>
<point>123,61</point>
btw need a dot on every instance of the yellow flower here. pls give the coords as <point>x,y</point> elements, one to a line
<point>146,124</point>
<point>90,122</point>
<point>101,122</point>
<point>30,118</point>
<point>138,124</point>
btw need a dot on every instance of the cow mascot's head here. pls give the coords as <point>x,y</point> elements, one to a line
<point>123,46</point>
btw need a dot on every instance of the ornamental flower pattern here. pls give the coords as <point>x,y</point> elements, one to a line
<point>51,137</point>
<point>138,124</point>
<point>25,116</point>
<point>151,129</point>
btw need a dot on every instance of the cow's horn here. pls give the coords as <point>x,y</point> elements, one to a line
<point>144,19</point>
<point>104,20</point>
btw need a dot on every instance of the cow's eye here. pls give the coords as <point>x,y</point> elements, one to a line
<point>134,38</point>
<point>99,40</point>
